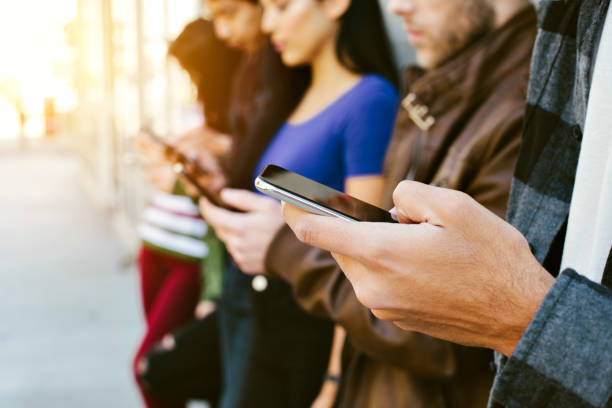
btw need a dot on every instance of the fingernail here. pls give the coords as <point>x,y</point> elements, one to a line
<point>393,213</point>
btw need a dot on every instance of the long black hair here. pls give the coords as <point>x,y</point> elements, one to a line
<point>258,115</point>
<point>363,45</point>
<point>211,64</point>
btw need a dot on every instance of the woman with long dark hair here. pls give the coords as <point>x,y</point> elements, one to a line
<point>264,93</point>
<point>337,134</point>
<point>173,235</point>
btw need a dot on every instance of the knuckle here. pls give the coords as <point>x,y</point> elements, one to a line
<point>456,202</point>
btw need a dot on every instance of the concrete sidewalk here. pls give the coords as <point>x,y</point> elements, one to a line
<point>69,316</point>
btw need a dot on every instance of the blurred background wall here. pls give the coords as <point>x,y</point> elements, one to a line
<point>91,73</point>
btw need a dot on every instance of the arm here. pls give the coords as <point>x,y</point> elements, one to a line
<point>482,286</point>
<point>331,295</point>
<point>368,189</point>
<point>329,391</point>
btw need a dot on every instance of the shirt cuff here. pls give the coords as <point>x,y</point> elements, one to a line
<point>564,358</point>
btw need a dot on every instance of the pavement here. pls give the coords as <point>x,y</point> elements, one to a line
<point>69,311</point>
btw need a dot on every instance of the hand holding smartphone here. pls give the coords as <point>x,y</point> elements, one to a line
<point>174,155</point>
<point>317,198</point>
<point>188,168</point>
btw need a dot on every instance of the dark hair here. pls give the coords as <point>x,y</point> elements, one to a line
<point>280,89</point>
<point>211,64</point>
<point>277,90</point>
<point>363,45</point>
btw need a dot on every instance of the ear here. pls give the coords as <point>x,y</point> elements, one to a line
<point>335,9</point>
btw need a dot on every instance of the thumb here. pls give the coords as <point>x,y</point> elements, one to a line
<point>245,200</point>
<point>417,203</point>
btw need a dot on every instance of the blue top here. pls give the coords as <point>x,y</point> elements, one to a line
<point>348,138</point>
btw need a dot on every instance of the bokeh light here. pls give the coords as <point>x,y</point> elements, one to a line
<point>36,61</point>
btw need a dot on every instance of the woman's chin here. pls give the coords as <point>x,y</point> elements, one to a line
<point>291,60</point>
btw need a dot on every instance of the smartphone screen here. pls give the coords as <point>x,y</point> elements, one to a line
<point>321,195</point>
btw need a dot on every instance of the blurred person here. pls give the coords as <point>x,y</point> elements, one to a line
<point>459,128</point>
<point>175,238</point>
<point>538,288</point>
<point>264,94</point>
<point>338,134</point>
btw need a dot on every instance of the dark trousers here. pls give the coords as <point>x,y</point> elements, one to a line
<point>190,371</point>
<point>290,352</point>
<point>236,333</point>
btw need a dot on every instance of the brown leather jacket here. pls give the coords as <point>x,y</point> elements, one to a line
<point>460,128</point>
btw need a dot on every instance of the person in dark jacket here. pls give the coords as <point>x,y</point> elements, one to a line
<point>456,271</point>
<point>208,357</point>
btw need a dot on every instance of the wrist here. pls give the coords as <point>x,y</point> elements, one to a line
<point>528,299</point>
<point>332,378</point>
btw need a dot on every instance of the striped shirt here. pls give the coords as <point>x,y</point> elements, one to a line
<point>172,224</point>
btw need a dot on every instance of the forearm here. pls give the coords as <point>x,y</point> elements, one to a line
<point>563,358</point>
<point>335,359</point>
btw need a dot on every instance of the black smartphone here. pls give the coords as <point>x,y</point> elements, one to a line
<point>315,197</point>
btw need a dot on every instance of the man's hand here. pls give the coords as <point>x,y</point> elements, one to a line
<point>205,147</point>
<point>247,236</point>
<point>452,269</point>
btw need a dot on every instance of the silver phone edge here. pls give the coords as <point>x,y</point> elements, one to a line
<point>300,202</point>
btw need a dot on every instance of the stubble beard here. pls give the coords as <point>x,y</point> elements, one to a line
<point>475,19</point>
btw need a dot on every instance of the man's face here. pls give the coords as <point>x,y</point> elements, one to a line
<point>438,29</point>
<point>237,22</point>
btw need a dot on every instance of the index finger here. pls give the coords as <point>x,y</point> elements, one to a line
<point>219,217</point>
<point>348,238</point>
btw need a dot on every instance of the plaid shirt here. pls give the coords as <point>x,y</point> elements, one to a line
<point>565,356</point>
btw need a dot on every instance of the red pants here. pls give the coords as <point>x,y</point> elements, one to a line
<point>170,292</point>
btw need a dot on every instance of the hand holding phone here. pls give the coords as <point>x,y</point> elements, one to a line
<point>175,155</point>
<point>317,198</point>
<point>192,170</point>
<point>179,169</point>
